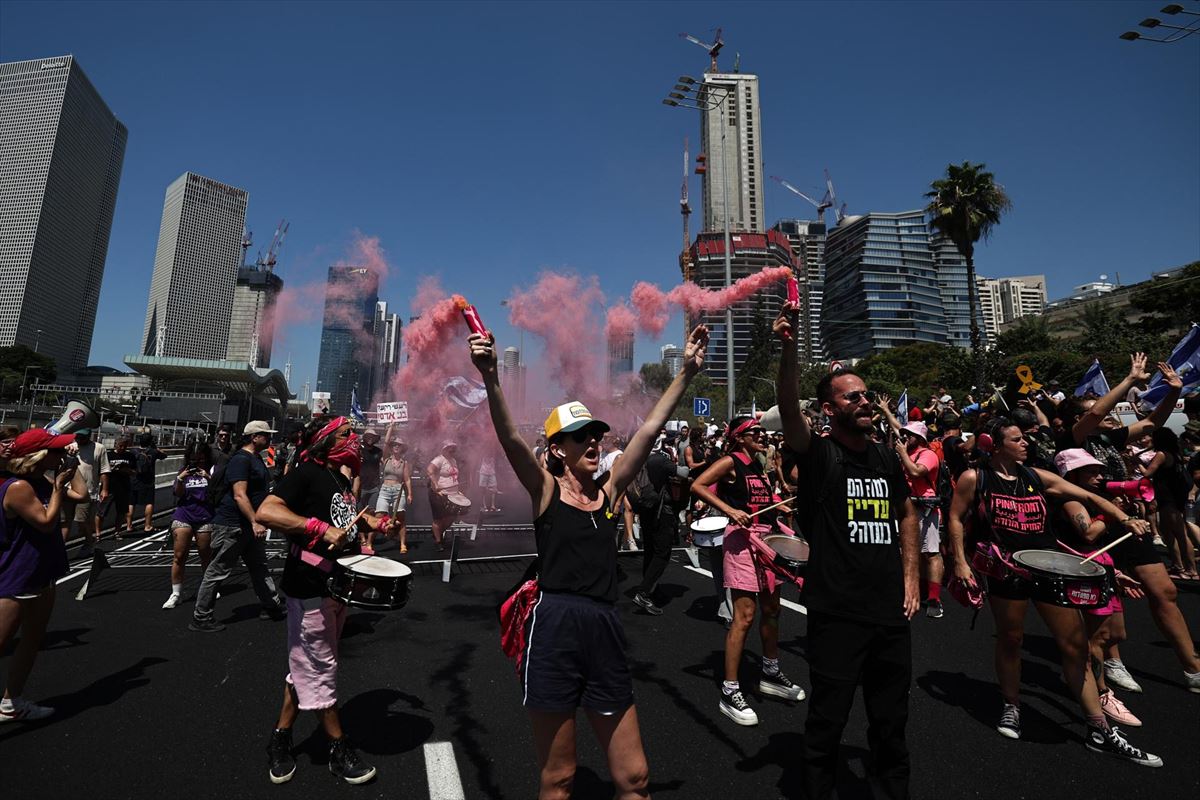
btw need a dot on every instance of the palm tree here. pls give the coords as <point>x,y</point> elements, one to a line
<point>965,206</point>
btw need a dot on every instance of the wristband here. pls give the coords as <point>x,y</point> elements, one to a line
<point>316,529</point>
<point>384,521</point>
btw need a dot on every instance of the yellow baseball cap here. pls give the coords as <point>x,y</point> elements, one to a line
<point>570,417</point>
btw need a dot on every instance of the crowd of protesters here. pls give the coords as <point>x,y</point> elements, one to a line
<point>941,480</point>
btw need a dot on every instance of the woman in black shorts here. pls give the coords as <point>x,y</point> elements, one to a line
<point>1171,487</point>
<point>574,652</point>
<point>1007,504</point>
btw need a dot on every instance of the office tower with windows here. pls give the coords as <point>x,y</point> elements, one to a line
<point>672,358</point>
<point>751,253</point>
<point>1002,300</point>
<point>951,270</point>
<point>196,271</point>
<point>736,158</point>
<point>807,239</point>
<point>387,355</point>
<point>881,286</point>
<point>512,378</point>
<point>620,356</point>
<point>61,152</point>
<point>348,336</point>
<point>252,320</point>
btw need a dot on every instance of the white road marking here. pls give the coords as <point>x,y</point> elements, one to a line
<point>783,602</point>
<point>138,545</point>
<point>441,770</point>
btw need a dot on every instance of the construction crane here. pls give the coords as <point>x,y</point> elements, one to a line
<point>839,212</point>
<point>269,262</point>
<point>712,49</point>
<point>247,242</point>
<point>821,206</point>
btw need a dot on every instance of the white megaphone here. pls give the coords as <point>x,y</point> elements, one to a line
<point>77,417</point>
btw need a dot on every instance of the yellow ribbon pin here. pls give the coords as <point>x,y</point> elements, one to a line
<point>1027,382</point>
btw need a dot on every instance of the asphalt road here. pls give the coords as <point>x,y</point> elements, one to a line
<point>147,708</point>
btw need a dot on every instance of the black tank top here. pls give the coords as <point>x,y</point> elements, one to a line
<point>1013,514</point>
<point>577,549</point>
<point>749,490</point>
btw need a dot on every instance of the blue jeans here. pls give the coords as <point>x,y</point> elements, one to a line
<point>229,543</point>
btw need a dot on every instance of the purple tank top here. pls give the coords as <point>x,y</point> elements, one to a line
<point>193,506</point>
<point>29,559</point>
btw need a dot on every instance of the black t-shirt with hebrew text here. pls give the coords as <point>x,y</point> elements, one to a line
<point>850,512</point>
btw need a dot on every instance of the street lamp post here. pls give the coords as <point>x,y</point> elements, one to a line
<point>1177,31</point>
<point>37,342</point>
<point>689,93</point>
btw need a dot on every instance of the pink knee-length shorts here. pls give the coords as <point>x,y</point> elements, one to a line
<point>742,572</point>
<point>313,635</point>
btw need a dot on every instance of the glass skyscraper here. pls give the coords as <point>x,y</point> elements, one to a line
<point>881,286</point>
<point>61,152</point>
<point>348,345</point>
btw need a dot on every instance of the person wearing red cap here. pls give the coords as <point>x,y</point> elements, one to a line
<point>32,554</point>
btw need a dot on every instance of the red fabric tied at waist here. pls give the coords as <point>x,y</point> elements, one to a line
<point>514,611</point>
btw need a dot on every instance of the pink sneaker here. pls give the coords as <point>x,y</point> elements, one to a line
<point>1116,710</point>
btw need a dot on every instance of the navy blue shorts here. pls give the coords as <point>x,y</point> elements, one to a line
<point>575,656</point>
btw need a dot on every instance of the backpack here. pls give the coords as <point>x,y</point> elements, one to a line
<point>945,489</point>
<point>644,497</point>
<point>218,487</point>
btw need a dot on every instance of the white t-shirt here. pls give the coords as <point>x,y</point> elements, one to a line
<point>606,462</point>
<point>445,473</point>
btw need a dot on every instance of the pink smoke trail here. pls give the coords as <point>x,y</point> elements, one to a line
<point>653,305</point>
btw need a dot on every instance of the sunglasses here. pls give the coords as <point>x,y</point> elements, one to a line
<point>586,432</point>
<point>854,397</point>
<point>757,433</point>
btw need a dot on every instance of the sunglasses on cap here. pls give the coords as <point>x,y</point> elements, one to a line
<point>854,397</point>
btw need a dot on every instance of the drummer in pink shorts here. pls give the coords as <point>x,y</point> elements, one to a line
<point>742,489</point>
<point>1080,533</point>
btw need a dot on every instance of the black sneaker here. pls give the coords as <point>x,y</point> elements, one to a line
<point>279,756</point>
<point>277,613</point>
<point>647,604</point>
<point>1010,722</point>
<point>737,709</point>
<point>779,685</point>
<point>1114,743</point>
<point>934,610</point>
<point>205,626</point>
<point>345,763</point>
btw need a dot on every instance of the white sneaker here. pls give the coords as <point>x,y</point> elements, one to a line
<point>24,711</point>
<point>1192,679</point>
<point>1116,674</point>
<point>172,601</point>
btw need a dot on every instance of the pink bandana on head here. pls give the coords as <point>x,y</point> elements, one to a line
<point>745,426</point>
<point>347,454</point>
<point>329,429</point>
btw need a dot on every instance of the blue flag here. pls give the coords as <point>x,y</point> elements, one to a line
<point>1184,359</point>
<point>902,408</point>
<point>1093,381</point>
<point>355,408</point>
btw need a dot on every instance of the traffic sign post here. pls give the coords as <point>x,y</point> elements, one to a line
<point>701,407</point>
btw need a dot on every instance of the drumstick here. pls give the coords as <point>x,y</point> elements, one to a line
<point>768,508</point>
<point>1106,548</point>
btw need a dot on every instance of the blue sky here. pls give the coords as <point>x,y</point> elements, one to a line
<point>486,142</point>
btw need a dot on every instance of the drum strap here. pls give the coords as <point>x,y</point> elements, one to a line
<point>312,559</point>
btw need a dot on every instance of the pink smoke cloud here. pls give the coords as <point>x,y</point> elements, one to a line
<point>561,310</point>
<point>652,304</point>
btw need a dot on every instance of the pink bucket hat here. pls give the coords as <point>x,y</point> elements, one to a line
<point>917,429</point>
<point>1073,459</point>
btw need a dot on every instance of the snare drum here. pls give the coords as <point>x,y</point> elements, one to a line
<point>1062,579</point>
<point>371,582</point>
<point>458,501</point>
<point>709,531</point>
<point>786,556</point>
